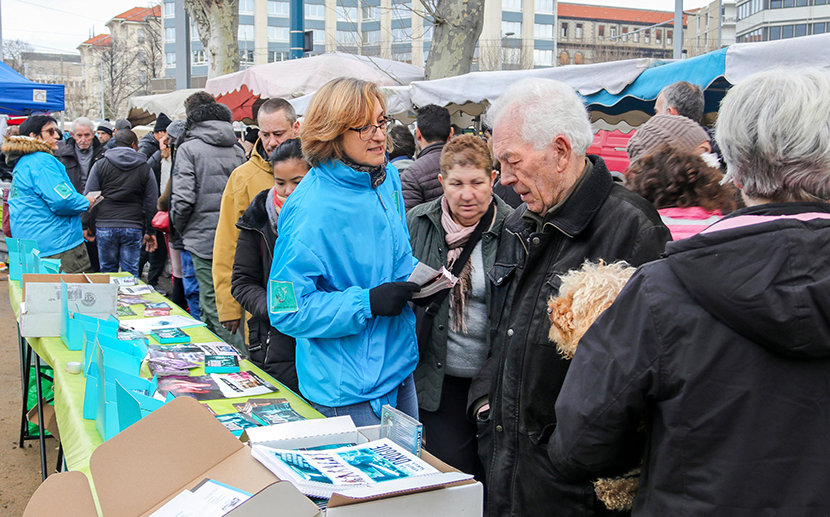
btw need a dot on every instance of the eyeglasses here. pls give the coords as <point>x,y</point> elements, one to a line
<point>52,131</point>
<point>367,132</point>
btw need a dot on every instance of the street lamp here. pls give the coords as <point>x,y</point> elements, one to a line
<point>501,46</point>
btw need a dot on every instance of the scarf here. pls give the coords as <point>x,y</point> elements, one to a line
<point>377,174</point>
<point>273,206</point>
<point>456,237</point>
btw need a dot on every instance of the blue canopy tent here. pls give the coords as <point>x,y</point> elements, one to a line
<point>20,96</point>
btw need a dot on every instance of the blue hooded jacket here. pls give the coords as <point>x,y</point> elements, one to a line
<point>43,204</point>
<point>339,238</point>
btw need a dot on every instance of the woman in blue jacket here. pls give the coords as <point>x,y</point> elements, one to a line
<point>338,280</point>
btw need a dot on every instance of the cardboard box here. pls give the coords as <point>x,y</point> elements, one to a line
<point>49,417</point>
<point>66,493</point>
<point>41,312</point>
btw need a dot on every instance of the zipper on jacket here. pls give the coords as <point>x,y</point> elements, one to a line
<point>381,201</point>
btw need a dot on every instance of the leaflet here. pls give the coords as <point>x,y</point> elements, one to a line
<point>430,280</point>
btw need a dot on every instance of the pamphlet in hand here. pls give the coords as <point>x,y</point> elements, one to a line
<point>321,473</point>
<point>96,195</point>
<point>430,280</point>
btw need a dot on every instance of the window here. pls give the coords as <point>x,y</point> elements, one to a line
<point>774,33</point>
<point>141,35</point>
<point>787,31</point>
<point>427,33</point>
<point>669,36</point>
<point>246,6</point>
<point>199,57</point>
<point>647,36</point>
<point>371,37</point>
<point>404,57</point>
<point>170,58</point>
<point>278,34</point>
<point>564,59</point>
<point>370,12</point>
<point>511,5</point>
<point>194,33</point>
<point>276,8</point>
<point>400,35</point>
<point>800,30</point>
<point>142,77</point>
<point>318,36</point>
<point>543,31</point>
<point>544,7</point>
<point>579,58</point>
<point>170,34</point>
<point>514,29</point>
<point>625,33</point>
<point>246,33</point>
<point>563,31</point>
<point>636,37</point>
<point>315,12</point>
<point>346,14</point>
<point>612,31</point>
<point>169,10</point>
<point>277,55</point>
<point>142,57</point>
<point>578,31</point>
<point>601,31</point>
<point>246,56</point>
<point>818,28</point>
<point>658,36</point>
<point>542,57</point>
<point>347,38</point>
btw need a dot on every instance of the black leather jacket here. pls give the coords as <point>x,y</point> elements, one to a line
<point>600,220</point>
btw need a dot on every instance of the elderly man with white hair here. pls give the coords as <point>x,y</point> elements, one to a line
<point>721,350</point>
<point>572,211</point>
<point>80,152</point>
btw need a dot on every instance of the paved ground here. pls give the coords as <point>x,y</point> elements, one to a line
<point>19,467</point>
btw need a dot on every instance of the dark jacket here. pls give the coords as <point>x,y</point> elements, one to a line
<point>128,187</point>
<point>270,349</point>
<point>429,246</point>
<point>149,147</point>
<point>66,155</point>
<point>204,161</point>
<point>419,181</point>
<point>600,220</point>
<point>724,345</point>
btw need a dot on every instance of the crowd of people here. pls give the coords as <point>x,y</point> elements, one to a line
<point>297,244</point>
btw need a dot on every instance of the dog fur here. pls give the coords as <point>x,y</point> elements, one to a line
<point>585,293</point>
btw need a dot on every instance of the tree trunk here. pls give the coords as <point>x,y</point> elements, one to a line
<point>457,26</point>
<point>217,22</point>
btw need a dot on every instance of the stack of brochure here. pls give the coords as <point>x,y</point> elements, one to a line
<point>320,473</point>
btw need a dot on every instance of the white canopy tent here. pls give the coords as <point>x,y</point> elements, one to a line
<point>145,108</point>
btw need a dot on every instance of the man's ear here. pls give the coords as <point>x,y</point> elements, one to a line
<point>671,110</point>
<point>418,134</point>
<point>562,147</point>
<point>296,128</point>
<point>452,133</point>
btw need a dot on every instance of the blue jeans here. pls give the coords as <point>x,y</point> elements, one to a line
<point>119,247</point>
<point>191,285</point>
<point>362,413</point>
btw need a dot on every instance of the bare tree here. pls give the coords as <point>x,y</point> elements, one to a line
<point>456,29</point>
<point>13,51</point>
<point>120,72</point>
<point>217,22</point>
<point>154,49</point>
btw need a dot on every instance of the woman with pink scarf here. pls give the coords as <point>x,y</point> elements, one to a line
<point>455,345</point>
<point>270,349</point>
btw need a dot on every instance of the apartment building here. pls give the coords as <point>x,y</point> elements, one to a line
<point>767,20</point>
<point>711,27</point>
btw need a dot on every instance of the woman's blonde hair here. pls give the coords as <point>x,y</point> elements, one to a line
<point>339,105</point>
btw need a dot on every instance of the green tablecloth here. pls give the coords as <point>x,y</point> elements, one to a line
<point>79,436</point>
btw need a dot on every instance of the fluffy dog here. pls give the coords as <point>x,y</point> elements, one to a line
<point>584,294</point>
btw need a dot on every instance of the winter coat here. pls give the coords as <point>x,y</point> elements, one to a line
<point>685,222</point>
<point>269,349</point>
<point>402,163</point>
<point>420,180</point>
<point>339,238</point>
<point>203,163</point>
<point>724,346</point>
<point>429,246</point>
<point>245,182</point>
<point>66,154</point>
<point>599,220</point>
<point>43,204</point>
<point>149,147</point>
<point>128,187</point>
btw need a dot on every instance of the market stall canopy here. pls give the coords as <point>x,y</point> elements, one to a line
<point>20,96</point>
<point>144,109</point>
<point>241,91</point>
<point>398,104</point>
<point>714,72</point>
<point>472,92</point>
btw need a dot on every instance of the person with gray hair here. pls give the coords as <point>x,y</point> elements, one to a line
<point>681,98</point>
<point>78,154</point>
<point>573,210</point>
<point>721,350</point>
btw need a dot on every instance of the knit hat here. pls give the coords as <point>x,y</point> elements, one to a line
<point>106,127</point>
<point>123,123</point>
<point>683,134</point>
<point>162,121</point>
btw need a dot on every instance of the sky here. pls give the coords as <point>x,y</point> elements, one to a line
<point>51,26</point>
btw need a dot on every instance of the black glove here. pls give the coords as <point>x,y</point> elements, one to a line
<point>388,299</point>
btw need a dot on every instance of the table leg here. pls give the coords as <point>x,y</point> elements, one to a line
<point>42,430</point>
<point>25,367</point>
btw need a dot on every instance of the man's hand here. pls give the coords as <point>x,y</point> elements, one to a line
<point>232,325</point>
<point>88,235</point>
<point>91,198</point>
<point>150,243</point>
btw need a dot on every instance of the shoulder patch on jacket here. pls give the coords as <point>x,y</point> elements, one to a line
<point>281,297</point>
<point>396,198</point>
<point>64,190</point>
